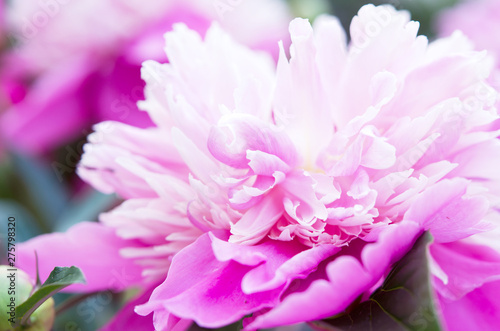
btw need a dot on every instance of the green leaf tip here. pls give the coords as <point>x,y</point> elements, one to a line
<point>59,278</point>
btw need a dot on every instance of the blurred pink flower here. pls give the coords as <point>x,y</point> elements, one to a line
<point>288,194</point>
<point>85,58</point>
<point>478,19</point>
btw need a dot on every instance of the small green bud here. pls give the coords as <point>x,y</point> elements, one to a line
<point>15,288</point>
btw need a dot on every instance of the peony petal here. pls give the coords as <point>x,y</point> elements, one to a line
<point>478,310</point>
<point>116,161</point>
<point>257,221</point>
<point>275,263</point>
<point>202,166</point>
<point>246,255</point>
<point>478,161</point>
<point>467,267</point>
<point>347,279</point>
<point>29,125</point>
<point>238,133</point>
<point>296,264</point>
<point>306,118</point>
<point>382,40</point>
<point>299,188</point>
<point>447,213</point>
<point>128,319</point>
<point>201,288</point>
<point>88,246</point>
<point>266,164</point>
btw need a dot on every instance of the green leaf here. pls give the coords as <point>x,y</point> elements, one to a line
<point>404,302</point>
<point>59,278</point>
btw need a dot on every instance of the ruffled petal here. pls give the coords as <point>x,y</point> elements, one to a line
<point>115,159</point>
<point>347,278</point>
<point>201,288</point>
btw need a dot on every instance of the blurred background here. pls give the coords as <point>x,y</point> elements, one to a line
<point>68,64</point>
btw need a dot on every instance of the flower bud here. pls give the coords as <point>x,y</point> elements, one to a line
<point>15,288</point>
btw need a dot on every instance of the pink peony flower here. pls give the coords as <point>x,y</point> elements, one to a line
<point>86,58</point>
<point>289,193</point>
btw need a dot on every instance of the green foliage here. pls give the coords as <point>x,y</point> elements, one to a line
<point>58,279</point>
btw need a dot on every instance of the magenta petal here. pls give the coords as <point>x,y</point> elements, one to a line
<point>119,91</point>
<point>467,267</point>
<point>52,112</point>
<point>245,255</point>
<point>203,289</point>
<point>128,319</point>
<point>478,310</point>
<point>391,246</point>
<point>284,265</point>
<point>92,247</point>
<point>275,262</point>
<point>164,321</point>
<point>347,279</point>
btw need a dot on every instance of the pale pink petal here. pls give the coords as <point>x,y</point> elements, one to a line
<point>256,222</point>
<point>454,69</point>
<point>447,212</point>
<point>331,50</point>
<point>382,39</point>
<point>202,166</point>
<point>309,130</point>
<point>235,134</point>
<point>116,161</point>
<point>299,189</point>
<point>266,164</point>
<point>478,161</point>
